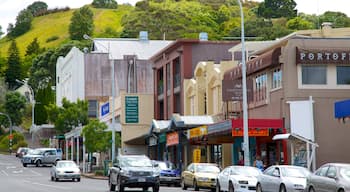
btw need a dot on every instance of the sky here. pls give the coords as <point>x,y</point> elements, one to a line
<point>9,9</point>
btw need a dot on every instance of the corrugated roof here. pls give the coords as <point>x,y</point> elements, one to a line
<point>118,47</point>
<point>159,125</point>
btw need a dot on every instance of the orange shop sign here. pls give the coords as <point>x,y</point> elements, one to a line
<point>198,131</point>
<point>238,132</point>
<point>172,139</point>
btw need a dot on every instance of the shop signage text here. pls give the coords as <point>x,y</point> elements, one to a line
<point>196,155</point>
<point>314,56</point>
<point>238,132</point>
<point>172,139</point>
<point>131,109</point>
<point>198,131</point>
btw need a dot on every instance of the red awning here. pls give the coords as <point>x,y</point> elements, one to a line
<point>258,123</point>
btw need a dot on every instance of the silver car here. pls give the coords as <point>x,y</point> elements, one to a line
<point>65,169</point>
<point>330,177</point>
<point>238,179</point>
<point>283,178</point>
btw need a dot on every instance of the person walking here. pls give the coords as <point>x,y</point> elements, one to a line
<point>258,163</point>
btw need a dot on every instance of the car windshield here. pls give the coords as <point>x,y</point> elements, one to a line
<point>37,152</point>
<point>135,162</point>
<point>166,165</point>
<point>294,172</point>
<point>246,171</point>
<point>207,169</point>
<point>62,164</point>
<point>345,172</point>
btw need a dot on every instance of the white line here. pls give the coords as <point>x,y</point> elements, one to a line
<point>36,173</point>
<point>52,186</point>
<point>4,172</point>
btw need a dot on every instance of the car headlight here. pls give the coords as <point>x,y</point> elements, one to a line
<point>125,173</point>
<point>203,179</point>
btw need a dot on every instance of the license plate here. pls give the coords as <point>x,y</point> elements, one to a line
<point>142,179</point>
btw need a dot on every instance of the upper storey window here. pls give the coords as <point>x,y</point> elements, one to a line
<point>314,74</point>
<point>343,75</point>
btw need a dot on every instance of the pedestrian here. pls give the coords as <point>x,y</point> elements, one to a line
<point>241,161</point>
<point>258,163</point>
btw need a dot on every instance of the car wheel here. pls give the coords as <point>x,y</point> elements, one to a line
<point>56,179</point>
<point>341,190</point>
<point>195,185</point>
<point>311,189</point>
<point>78,179</point>
<point>111,186</point>
<point>218,187</point>
<point>282,188</point>
<point>230,187</point>
<point>258,188</point>
<point>52,179</point>
<point>24,165</point>
<point>183,185</point>
<point>38,162</point>
<point>120,186</point>
<point>156,188</point>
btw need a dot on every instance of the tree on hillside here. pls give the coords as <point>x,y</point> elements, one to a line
<point>37,8</point>
<point>14,105</point>
<point>33,48</point>
<point>338,19</point>
<point>13,70</point>
<point>277,9</point>
<point>68,116</point>
<point>298,23</point>
<point>81,23</point>
<point>108,4</point>
<point>23,23</point>
<point>1,33</point>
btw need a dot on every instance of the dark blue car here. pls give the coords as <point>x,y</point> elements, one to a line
<point>169,175</point>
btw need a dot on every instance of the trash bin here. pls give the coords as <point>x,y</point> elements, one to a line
<point>106,165</point>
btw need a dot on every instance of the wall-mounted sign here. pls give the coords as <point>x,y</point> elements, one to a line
<point>232,89</point>
<point>104,109</point>
<point>196,155</point>
<point>131,109</point>
<point>238,132</point>
<point>322,56</point>
<point>172,139</point>
<point>198,131</point>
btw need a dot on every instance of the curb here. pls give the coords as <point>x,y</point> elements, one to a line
<point>92,176</point>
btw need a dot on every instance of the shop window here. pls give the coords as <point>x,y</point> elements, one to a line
<point>276,78</point>
<point>92,108</point>
<point>343,77</point>
<point>314,74</point>
<point>260,87</point>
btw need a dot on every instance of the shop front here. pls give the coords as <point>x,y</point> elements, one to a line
<point>261,132</point>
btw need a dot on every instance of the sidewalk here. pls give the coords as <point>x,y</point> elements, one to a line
<point>93,176</point>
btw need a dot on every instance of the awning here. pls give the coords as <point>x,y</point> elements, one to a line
<point>139,140</point>
<point>291,136</point>
<point>342,109</point>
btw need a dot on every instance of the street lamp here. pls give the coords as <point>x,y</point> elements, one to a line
<point>244,89</point>
<point>32,102</point>
<point>87,37</point>
<point>10,137</point>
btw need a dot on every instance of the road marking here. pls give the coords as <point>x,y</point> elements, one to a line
<point>36,173</point>
<point>19,171</point>
<point>11,167</point>
<point>4,172</point>
<point>52,186</point>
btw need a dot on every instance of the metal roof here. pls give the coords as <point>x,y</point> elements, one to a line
<point>118,47</point>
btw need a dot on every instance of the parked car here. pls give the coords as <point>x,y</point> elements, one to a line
<point>237,178</point>
<point>133,171</point>
<point>21,151</point>
<point>169,175</point>
<point>200,175</point>
<point>42,156</point>
<point>65,169</point>
<point>330,177</point>
<point>283,178</point>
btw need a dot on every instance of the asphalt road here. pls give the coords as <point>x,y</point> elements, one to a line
<point>16,178</point>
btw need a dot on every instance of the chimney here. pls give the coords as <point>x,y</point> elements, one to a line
<point>143,36</point>
<point>203,36</point>
<point>326,30</point>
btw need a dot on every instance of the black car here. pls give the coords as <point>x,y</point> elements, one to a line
<point>133,171</point>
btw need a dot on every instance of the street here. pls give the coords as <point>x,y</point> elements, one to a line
<point>16,178</point>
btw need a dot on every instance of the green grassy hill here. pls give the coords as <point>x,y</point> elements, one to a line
<point>56,26</point>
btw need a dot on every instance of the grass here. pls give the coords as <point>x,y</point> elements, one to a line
<point>56,25</point>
